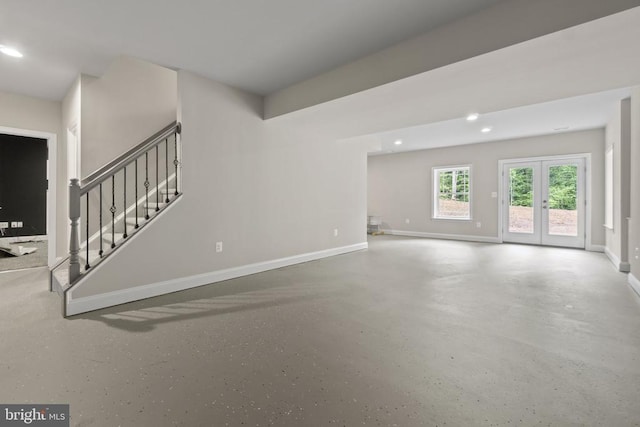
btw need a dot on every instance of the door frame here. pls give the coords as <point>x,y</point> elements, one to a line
<point>52,171</point>
<point>588,185</point>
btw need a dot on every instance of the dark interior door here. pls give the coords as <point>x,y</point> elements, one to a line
<point>23,184</point>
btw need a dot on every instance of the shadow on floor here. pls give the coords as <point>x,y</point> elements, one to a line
<point>206,301</point>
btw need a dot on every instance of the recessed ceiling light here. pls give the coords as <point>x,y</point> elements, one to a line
<point>10,51</point>
<point>473,117</point>
<point>398,142</point>
<point>486,129</point>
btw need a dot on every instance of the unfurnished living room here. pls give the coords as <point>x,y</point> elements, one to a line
<point>298,213</point>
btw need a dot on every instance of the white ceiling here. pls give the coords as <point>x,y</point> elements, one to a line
<point>547,72</point>
<point>527,89</point>
<point>565,115</point>
<point>257,45</point>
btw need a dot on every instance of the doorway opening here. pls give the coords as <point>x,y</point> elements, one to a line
<point>27,198</point>
<point>544,201</point>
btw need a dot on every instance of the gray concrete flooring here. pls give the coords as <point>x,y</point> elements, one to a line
<point>412,332</point>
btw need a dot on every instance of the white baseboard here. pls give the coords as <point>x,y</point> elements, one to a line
<point>595,248</point>
<point>624,267</point>
<point>466,238</point>
<point>109,299</point>
<point>634,283</point>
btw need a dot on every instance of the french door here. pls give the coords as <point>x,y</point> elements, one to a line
<point>544,202</point>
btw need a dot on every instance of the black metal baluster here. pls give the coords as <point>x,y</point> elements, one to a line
<point>166,167</point>
<point>136,201</point>
<point>175,160</point>
<point>146,184</point>
<point>124,236</point>
<point>87,266</point>
<point>113,211</point>
<point>157,183</point>
<point>100,210</point>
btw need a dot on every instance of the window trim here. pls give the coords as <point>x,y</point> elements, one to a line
<point>435,188</point>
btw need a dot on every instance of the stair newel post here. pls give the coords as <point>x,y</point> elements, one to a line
<point>74,242</point>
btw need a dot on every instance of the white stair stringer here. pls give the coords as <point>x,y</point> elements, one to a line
<point>119,251</point>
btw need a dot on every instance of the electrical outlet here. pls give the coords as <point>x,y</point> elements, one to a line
<point>407,221</point>
<point>4,225</point>
<point>218,246</point>
<point>19,224</point>
<point>335,232</point>
<point>478,224</point>
<point>14,224</point>
<point>494,195</point>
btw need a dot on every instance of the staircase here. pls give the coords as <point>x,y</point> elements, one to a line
<point>115,203</point>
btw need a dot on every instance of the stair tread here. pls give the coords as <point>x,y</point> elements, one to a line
<point>153,205</point>
<point>107,237</point>
<point>93,254</point>
<point>132,220</point>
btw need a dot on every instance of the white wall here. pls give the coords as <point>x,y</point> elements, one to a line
<point>130,102</point>
<point>265,191</point>
<point>634,232</point>
<point>27,113</point>
<point>70,119</point>
<point>617,137</point>
<point>400,185</point>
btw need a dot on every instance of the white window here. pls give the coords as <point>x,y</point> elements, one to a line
<point>452,192</point>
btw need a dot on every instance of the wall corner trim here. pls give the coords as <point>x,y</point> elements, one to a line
<point>621,266</point>
<point>634,283</point>
<point>110,299</point>
<point>463,237</point>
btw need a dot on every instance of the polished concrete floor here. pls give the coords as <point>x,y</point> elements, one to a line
<point>412,332</point>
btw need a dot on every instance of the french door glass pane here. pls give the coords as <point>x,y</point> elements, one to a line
<point>521,200</point>
<point>563,213</point>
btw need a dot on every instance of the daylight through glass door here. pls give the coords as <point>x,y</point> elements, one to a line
<point>562,204</point>
<point>543,202</point>
<point>521,198</point>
